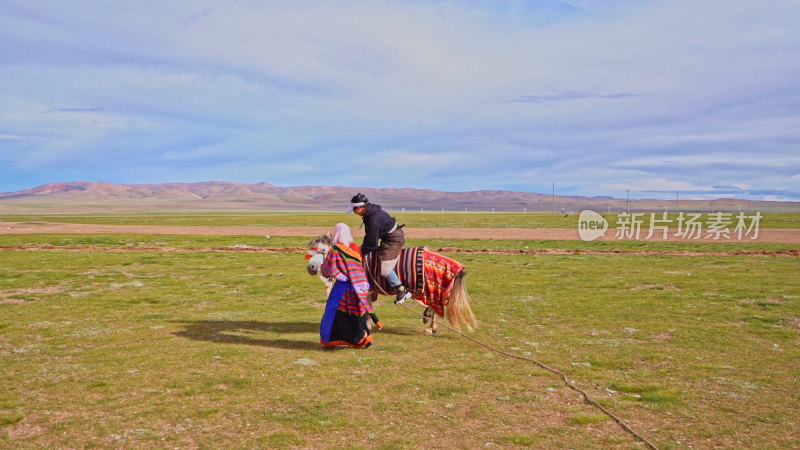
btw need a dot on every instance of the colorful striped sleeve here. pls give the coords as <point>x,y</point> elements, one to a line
<point>332,266</point>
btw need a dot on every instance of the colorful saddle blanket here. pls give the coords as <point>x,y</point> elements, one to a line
<point>428,275</point>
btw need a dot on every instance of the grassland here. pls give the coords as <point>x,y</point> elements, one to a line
<point>211,349</point>
<point>416,219</point>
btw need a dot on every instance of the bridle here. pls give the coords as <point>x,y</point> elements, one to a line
<point>316,250</point>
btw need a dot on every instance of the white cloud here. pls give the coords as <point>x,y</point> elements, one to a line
<point>469,94</point>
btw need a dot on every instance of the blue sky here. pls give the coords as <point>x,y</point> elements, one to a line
<point>700,98</point>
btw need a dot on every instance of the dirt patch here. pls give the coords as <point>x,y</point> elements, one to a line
<point>23,296</point>
<point>25,429</point>
<point>655,287</point>
<point>10,297</point>
<point>544,252</point>
<point>85,248</point>
<point>791,252</point>
<point>768,300</point>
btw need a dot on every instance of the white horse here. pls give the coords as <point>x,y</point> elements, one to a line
<point>456,304</point>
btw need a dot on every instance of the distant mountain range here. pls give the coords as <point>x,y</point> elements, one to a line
<point>227,196</point>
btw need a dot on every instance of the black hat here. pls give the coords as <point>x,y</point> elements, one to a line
<point>357,200</point>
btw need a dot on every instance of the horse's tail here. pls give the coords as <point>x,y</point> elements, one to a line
<point>458,311</point>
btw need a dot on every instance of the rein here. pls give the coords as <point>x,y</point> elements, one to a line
<point>316,250</point>
<point>561,374</point>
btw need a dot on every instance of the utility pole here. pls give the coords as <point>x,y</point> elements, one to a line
<point>628,200</point>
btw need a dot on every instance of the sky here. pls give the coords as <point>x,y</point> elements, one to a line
<point>697,98</point>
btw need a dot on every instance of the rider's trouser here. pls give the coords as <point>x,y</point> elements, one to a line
<point>389,253</point>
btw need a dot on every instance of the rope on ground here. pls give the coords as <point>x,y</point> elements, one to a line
<point>563,376</point>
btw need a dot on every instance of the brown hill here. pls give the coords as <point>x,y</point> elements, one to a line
<point>82,196</point>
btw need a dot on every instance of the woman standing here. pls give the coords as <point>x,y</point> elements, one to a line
<point>345,319</point>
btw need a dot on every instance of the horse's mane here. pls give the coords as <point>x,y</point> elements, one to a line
<point>324,239</point>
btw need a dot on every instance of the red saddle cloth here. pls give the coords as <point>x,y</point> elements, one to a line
<point>428,275</point>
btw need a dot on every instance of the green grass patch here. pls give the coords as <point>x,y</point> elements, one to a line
<point>629,389</point>
<point>650,393</point>
<point>589,419</point>
<point>446,392</point>
<point>219,349</point>
<point>10,420</point>
<point>282,439</point>
<point>521,440</point>
<point>660,396</point>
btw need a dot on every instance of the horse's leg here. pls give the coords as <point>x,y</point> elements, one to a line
<point>328,285</point>
<point>432,327</point>
<point>426,315</point>
<point>371,297</point>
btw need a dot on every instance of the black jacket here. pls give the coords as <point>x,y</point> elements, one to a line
<point>377,224</point>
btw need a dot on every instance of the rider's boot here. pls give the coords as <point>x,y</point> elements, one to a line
<point>403,294</point>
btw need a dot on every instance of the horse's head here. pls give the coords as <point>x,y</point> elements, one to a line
<point>317,249</point>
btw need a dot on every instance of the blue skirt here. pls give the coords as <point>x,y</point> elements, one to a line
<point>340,328</point>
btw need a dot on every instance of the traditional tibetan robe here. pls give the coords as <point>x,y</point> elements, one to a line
<point>345,319</point>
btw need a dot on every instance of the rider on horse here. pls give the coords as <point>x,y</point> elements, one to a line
<point>384,237</point>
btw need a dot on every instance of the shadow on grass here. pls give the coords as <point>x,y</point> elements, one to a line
<point>250,333</point>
